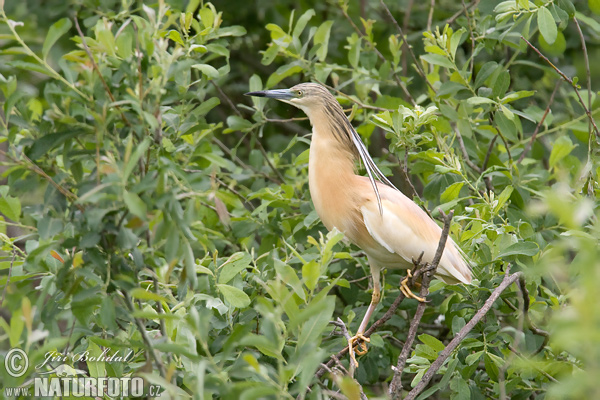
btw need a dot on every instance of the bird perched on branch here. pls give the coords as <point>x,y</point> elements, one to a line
<point>389,227</point>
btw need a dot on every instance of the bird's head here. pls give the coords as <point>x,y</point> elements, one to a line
<point>305,96</point>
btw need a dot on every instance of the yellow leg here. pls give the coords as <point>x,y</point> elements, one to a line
<point>406,290</point>
<point>354,341</point>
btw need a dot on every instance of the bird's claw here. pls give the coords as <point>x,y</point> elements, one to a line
<point>361,346</point>
<point>406,290</point>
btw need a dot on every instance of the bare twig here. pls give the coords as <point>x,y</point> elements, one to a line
<point>568,80</point>
<point>395,387</point>
<point>537,128</point>
<point>444,354</point>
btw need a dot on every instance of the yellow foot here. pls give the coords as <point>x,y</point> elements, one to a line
<point>406,290</point>
<point>361,349</point>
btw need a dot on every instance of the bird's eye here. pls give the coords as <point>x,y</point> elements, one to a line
<point>299,93</point>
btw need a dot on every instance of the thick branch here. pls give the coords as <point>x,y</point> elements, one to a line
<point>435,366</point>
<point>429,271</point>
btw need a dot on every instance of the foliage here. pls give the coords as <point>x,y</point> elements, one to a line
<point>148,206</point>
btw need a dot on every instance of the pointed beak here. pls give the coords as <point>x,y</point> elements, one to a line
<point>279,94</point>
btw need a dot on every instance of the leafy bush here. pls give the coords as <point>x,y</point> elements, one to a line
<point>148,206</point>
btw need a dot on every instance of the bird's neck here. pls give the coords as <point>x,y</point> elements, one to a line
<point>330,173</point>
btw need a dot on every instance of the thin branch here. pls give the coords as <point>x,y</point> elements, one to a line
<point>430,16</point>
<point>227,99</point>
<point>381,57</point>
<point>537,128</point>
<point>405,26</point>
<point>259,144</point>
<point>530,325</point>
<point>453,18</point>
<point>463,150</point>
<point>410,51</point>
<point>139,57</point>
<point>568,80</point>
<point>472,37</point>
<point>358,102</point>
<point>395,388</point>
<point>29,164</point>
<point>95,66</point>
<point>149,347</point>
<point>449,349</point>
<point>486,160</point>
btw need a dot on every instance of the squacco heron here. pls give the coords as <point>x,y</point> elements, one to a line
<point>389,227</point>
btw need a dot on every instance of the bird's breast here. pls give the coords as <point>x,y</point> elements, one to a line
<point>335,191</point>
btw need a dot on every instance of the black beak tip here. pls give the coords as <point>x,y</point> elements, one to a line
<point>255,94</point>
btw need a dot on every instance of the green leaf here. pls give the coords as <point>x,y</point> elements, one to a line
<point>233,266</point>
<point>488,69</point>
<point>546,25</point>
<point>594,6</point>
<point>432,342</point>
<point>521,248</point>
<point>438,59</point>
<point>477,100</point>
<point>555,49</point>
<point>491,367</point>
<point>125,44</point>
<point>175,36</point>
<point>473,358</point>
<point>11,207</point>
<point>322,37</point>
<point>310,274</point>
<point>503,198</point>
<point>142,294</point>
<point>451,192</point>
<point>132,161</point>
<point>315,325</point>
<point>50,141</point>
<point>207,105</point>
<point>283,72</point>
<point>506,126</point>
<point>96,366</point>
<point>560,149</point>
<point>501,84</point>
<point>302,21</point>
<point>57,29</point>
<point>135,204</point>
<point>234,296</point>
<point>460,388</point>
<point>208,70</point>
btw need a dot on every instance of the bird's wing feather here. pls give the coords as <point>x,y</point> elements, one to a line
<point>406,230</point>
